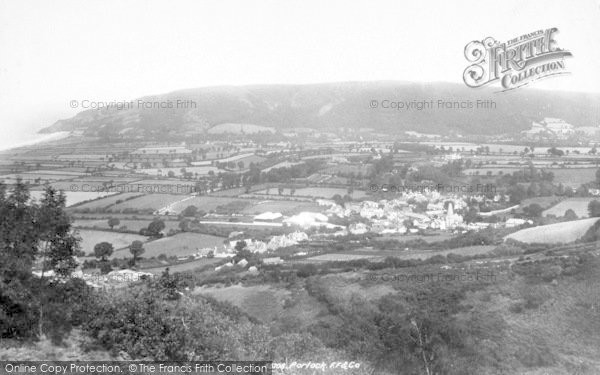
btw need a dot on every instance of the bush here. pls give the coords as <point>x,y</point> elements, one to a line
<point>105,267</point>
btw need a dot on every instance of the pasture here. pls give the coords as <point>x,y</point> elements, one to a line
<point>73,197</point>
<point>107,201</point>
<point>89,239</point>
<point>579,205</point>
<point>148,201</point>
<point>260,301</point>
<point>182,244</point>
<point>284,207</point>
<point>314,192</point>
<point>574,177</point>
<point>133,225</point>
<point>565,232</point>
<point>204,203</point>
<point>181,267</point>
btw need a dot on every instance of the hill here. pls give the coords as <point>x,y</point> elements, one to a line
<point>337,105</point>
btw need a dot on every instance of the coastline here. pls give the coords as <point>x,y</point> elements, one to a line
<point>36,139</point>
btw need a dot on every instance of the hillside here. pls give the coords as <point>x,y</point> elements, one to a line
<point>335,105</point>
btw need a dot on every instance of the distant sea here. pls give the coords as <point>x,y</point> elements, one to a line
<point>12,139</point>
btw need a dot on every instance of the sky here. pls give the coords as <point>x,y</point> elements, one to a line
<point>52,52</point>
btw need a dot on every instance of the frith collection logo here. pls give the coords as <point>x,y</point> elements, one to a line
<point>516,62</point>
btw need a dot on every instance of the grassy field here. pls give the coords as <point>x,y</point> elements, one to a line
<point>187,266</point>
<point>315,192</point>
<point>93,183</point>
<point>134,225</point>
<point>236,128</point>
<point>347,168</point>
<point>107,201</point>
<point>554,233</point>
<point>31,177</point>
<point>205,203</point>
<point>89,239</point>
<point>574,177</point>
<point>181,244</point>
<point>260,301</point>
<point>544,202</point>
<point>378,254</point>
<point>285,207</point>
<point>203,170</point>
<point>579,205</point>
<point>148,201</point>
<point>343,257</point>
<point>73,197</point>
<point>164,186</point>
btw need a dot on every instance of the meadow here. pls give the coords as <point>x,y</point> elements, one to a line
<point>148,201</point>
<point>565,232</point>
<point>574,177</point>
<point>107,201</point>
<point>284,207</point>
<point>315,192</point>
<point>204,203</point>
<point>181,244</point>
<point>132,225</point>
<point>89,239</point>
<point>579,205</point>
<point>74,197</point>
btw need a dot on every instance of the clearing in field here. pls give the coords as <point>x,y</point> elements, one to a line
<point>565,232</point>
<point>182,244</point>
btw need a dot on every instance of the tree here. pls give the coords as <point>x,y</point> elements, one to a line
<point>240,245</point>
<point>57,243</point>
<point>594,208</point>
<point>103,250</point>
<point>533,210</point>
<point>184,225</point>
<point>113,222</point>
<point>570,214</point>
<point>190,211</point>
<point>136,249</point>
<point>155,228</point>
<point>171,174</point>
<point>18,241</point>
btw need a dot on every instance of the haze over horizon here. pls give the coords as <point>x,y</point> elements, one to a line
<point>64,50</point>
